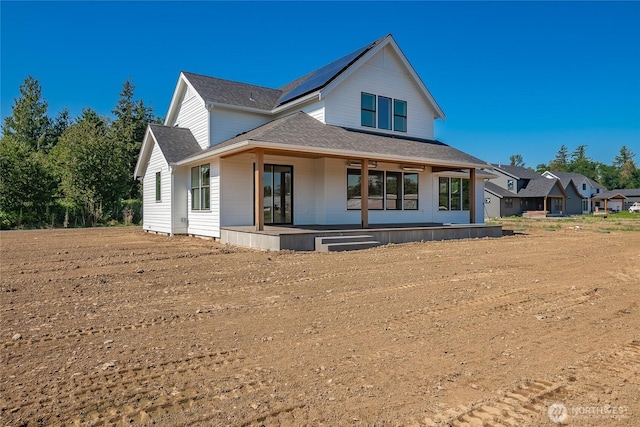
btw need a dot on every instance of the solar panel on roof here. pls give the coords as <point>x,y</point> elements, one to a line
<point>323,75</point>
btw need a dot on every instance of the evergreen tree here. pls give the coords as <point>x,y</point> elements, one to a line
<point>626,167</point>
<point>28,124</point>
<point>127,131</point>
<point>582,164</point>
<point>560,163</point>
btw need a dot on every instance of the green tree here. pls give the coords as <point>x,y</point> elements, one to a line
<point>127,131</point>
<point>28,124</point>
<point>542,167</point>
<point>582,164</point>
<point>561,161</point>
<point>626,167</point>
<point>92,178</point>
<point>26,184</point>
<point>516,160</point>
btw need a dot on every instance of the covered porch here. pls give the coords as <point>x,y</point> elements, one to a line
<point>304,237</point>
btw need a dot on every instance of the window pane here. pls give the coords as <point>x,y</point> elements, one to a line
<point>206,197</point>
<point>268,194</point>
<point>410,191</point>
<point>158,189</point>
<point>368,102</point>
<point>204,173</point>
<point>455,194</point>
<point>384,112</point>
<point>399,115</point>
<point>353,189</point>
<point>195,177</point>
<point>393,198</point>
<point>466,191</point>
<point>195,199</point>
<point>368,118</point>
<point>376,189</point>
<point>443,194</point>
<point>400,108</point>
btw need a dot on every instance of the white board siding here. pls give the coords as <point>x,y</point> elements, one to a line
<point>315,110</point>
<point>156,215</point>
<point>180,201</point>
<point>342,104</point>
<point>236,190</point>
<point>206,222</point>
<point>194,116</point>
<point>226,124</point>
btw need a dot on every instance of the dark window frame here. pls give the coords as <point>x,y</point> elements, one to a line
<point>402,202</point>
<point>158,186</point>
<point>366,111</point>
<point>398,117</point>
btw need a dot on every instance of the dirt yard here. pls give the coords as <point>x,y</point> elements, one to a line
<point>117,327</point>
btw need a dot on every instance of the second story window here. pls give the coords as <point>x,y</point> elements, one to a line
<point>383,113</point>
<point>509,184</point>
<point>368,115</point>
<point>399,115</point>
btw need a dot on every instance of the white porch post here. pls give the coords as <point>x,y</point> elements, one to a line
<point>364,193</point>
<point>259,190</point>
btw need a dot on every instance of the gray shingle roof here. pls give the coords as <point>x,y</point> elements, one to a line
<point>497,190</point>
<point>518,172</point>
<point>175,143</point>
<point>540,187</point>
<point>577,179</point>
<point>299,129</point>
<point>228,92</point>
<point>629,192</point>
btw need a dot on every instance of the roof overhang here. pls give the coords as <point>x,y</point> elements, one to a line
<point>299,150</point>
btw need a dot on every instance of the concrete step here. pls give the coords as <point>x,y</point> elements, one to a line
<point>345,243</point>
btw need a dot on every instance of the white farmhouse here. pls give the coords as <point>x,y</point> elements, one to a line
<point>347,147</point>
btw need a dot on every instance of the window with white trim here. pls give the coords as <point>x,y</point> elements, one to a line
<point>200,188</point>
<point>383,112</point>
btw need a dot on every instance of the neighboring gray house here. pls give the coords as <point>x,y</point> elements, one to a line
<point>586,187</point>
<point>518,190</point>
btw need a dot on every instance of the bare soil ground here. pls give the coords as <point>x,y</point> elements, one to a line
<point>116,327</point>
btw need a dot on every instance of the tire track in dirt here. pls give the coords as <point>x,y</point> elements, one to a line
<point>131,383</point>
<point>519,406</point>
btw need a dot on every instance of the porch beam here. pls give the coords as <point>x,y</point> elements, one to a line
<point>364,193</point>
<point>605,205</point>
<point>472,195</point>
<point>259,190</point>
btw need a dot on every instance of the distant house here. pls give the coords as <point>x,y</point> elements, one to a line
<point>587,188</point>
<point>616,200</point>
<point>349,144</point>
<point>518,190</point>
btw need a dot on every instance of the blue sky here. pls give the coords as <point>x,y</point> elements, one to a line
<point>512,77</point>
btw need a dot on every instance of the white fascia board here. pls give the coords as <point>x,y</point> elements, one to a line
<point>389,41</point>
<point>250,144</point>
<point>211,105</point>
<point>145,150</point>
<point>178,93</point>
<point>297,101</point>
